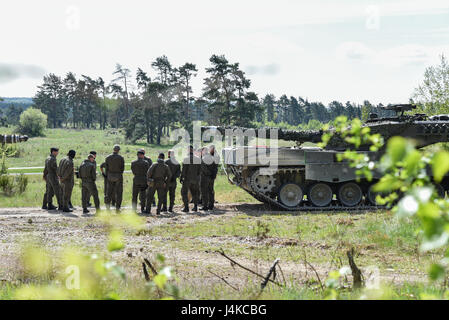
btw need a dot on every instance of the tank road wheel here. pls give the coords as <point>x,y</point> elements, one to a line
<point>320,194</point>
<point>350,194</point>
<point>291,195</point>
<point>262,183</point>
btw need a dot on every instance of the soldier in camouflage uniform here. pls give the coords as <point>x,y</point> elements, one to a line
<point>175,169</point>
<point>52,186</point>
<point>94,153</point>
<point>158,176</point>
<point>88,176</point>
<point>105,190</point>
<point>190,175</point>
<point>66,174</point>
<point>209,170</point>
<point>115,166</point>
<point>140,169</point>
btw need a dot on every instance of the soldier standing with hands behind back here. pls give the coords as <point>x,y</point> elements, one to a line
<point>175,169</point>
<point>190,174</point>
<point>115,166</point>
<point>158,176</point>
<point>51,181</point>
<point>66,178</point>
<point>88,175</point>
<point>140,169</point>
<point>209,171</point>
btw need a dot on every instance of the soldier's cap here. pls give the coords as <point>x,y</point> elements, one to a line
<point>116,147</point>
<point>72,153</point>
<point>94,153</point>
<point>142,151</point>
<point>90,156</point>
<point>161,156</point>
<point>54,150</point>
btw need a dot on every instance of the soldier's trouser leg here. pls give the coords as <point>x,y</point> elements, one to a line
<point>110,191</point>
<point>194,189</point>
<point>150,197</point>
<point>119,194</point>
<point>171,190</point>
<point>185,194</point>
<point>93,191</point>
<point>54,189</point>
<point>67,188</point>
<point>84,194</point>
<point>143,196</point>
<point>205,190</point>
<point>211,193</point>
<point>136,191</point>
<point>161,197</point>
<point>105,191</point>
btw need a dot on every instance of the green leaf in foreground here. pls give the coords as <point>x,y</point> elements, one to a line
<point>440,165</point>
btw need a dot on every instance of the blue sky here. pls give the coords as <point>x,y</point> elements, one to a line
<point>324,50</point>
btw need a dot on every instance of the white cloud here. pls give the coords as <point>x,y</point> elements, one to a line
<point>397,56</point>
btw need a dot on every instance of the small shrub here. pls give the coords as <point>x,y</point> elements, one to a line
<point>32,122</point>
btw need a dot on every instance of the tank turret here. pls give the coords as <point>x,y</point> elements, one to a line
<point>12,138</point>
<point>311,178</point>
<point>419,127</point>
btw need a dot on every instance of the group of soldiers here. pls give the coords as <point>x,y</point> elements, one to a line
<point>197,176</point>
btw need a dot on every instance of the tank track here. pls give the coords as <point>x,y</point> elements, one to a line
<point>306,207</point>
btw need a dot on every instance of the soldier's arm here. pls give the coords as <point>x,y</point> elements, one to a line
<point>122,165</point>
<point>133,167</point>
<point>168,173</point>
<point>150,173</point>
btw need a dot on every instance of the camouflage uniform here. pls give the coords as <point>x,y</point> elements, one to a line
<point>209,170</point>
<point>175,169</point>
<point>52,185</point>
<point>88,176</point>
<point>115,166</point>
<point>66,175</point>
<point>158,175</point>
<point>190,175</point>
<point>105,189</point>
<point>139,168</point>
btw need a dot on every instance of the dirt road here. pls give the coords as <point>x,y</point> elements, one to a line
<point>193,266</point>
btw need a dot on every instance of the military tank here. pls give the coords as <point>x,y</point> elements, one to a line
<point>305,178</point>
<point>12,138</point>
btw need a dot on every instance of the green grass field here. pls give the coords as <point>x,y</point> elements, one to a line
<point>34,152</point>
<point>248,232</point>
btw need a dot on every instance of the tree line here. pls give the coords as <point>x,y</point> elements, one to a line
<point>149,104</point>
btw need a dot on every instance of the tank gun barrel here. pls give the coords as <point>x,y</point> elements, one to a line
<point>268,133</point>
<point>12,138</point>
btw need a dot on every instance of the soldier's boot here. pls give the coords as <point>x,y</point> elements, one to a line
<point>195,208</point>
<point>164,209</point>
<point>170,209</point>
<point>85,211</point>
<point>204,208</point>
<point>51,207</point>
<point>89,205</point>
<point>44,207</point>
<point>67,209</point>
<point>60,208</point>
<point>158,212</point>
<point>186,209</point>
<point>70,205</point>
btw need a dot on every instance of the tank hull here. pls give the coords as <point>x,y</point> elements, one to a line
<point>301,179</point>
